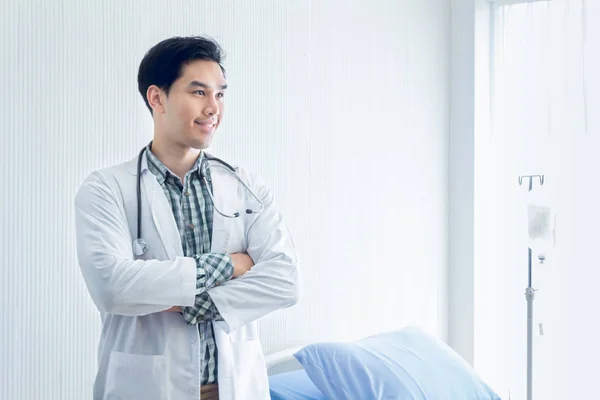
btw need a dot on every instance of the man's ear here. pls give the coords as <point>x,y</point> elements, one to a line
<point>156,98</point>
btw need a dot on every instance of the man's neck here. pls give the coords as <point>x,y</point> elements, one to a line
<point>178,159</point>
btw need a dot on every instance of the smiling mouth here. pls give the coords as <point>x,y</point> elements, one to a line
<point>208,124</point>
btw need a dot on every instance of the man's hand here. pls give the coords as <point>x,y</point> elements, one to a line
<point>242,263</point>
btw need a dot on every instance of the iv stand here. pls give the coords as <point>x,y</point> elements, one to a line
<point>529,296</point>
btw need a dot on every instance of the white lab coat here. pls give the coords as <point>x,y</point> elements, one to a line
<point>145,352</point>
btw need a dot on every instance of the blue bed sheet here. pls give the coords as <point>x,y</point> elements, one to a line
<point>294,385</point>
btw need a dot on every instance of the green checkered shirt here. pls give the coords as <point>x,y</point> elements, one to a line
<point>193,213</point>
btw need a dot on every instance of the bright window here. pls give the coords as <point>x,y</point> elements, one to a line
<point>544,119</point>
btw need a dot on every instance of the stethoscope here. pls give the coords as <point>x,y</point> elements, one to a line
<point>140,246</point>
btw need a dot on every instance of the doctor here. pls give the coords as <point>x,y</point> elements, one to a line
<point>179,315</point>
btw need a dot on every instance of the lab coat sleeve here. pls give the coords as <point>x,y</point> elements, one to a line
<point>117,283</point>
<point>273,282</point>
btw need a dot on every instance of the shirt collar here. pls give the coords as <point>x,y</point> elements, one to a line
<point>161,171</point>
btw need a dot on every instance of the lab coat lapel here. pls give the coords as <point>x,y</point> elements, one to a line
<point>221,225</point>
<point>162,215</point>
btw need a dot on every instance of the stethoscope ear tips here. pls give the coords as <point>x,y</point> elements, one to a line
<point>248,211</point>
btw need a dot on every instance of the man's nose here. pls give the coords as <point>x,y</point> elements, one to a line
<point>212,107</point>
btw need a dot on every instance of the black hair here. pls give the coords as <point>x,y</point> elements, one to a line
<point>163,63</point>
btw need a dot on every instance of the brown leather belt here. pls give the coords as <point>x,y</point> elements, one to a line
<point>209,392</point>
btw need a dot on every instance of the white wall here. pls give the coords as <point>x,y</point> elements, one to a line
<point>461,174</point>
<point>344,110</point>
<point>469,111</point>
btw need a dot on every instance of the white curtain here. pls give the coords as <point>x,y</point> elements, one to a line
<point>544,119</point>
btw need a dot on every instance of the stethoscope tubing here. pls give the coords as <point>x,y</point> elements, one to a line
<point>139,244</point>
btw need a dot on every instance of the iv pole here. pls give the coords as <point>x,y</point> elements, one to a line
<point>529,296</point>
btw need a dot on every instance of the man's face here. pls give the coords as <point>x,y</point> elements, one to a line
<point>194,107</point>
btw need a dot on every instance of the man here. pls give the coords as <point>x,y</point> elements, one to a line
<point>179,311</point>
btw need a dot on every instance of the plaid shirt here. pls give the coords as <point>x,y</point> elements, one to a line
<point>193,213</point>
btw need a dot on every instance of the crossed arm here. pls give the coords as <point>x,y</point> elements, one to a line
<point>212,270</point>
<point>121,285</point>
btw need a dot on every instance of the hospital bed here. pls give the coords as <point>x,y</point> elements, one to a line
<point>406,364</point>
<point>293,385</point>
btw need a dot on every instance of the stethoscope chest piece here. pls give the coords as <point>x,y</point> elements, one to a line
<point>140,247</point>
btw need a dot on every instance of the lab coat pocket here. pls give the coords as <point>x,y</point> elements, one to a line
<point>135,376</point>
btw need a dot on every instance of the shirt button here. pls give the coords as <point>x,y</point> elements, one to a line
<point>193,340</point>
<point>187,193</point>
<point>192,391</point>
<point>191,226</point>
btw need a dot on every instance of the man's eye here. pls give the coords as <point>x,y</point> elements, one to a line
<point>220,95</point>
<point>200,92</point>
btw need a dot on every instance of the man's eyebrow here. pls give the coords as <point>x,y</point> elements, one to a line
<point>204,85</point>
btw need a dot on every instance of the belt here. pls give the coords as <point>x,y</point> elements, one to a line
<point>209,392</point>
